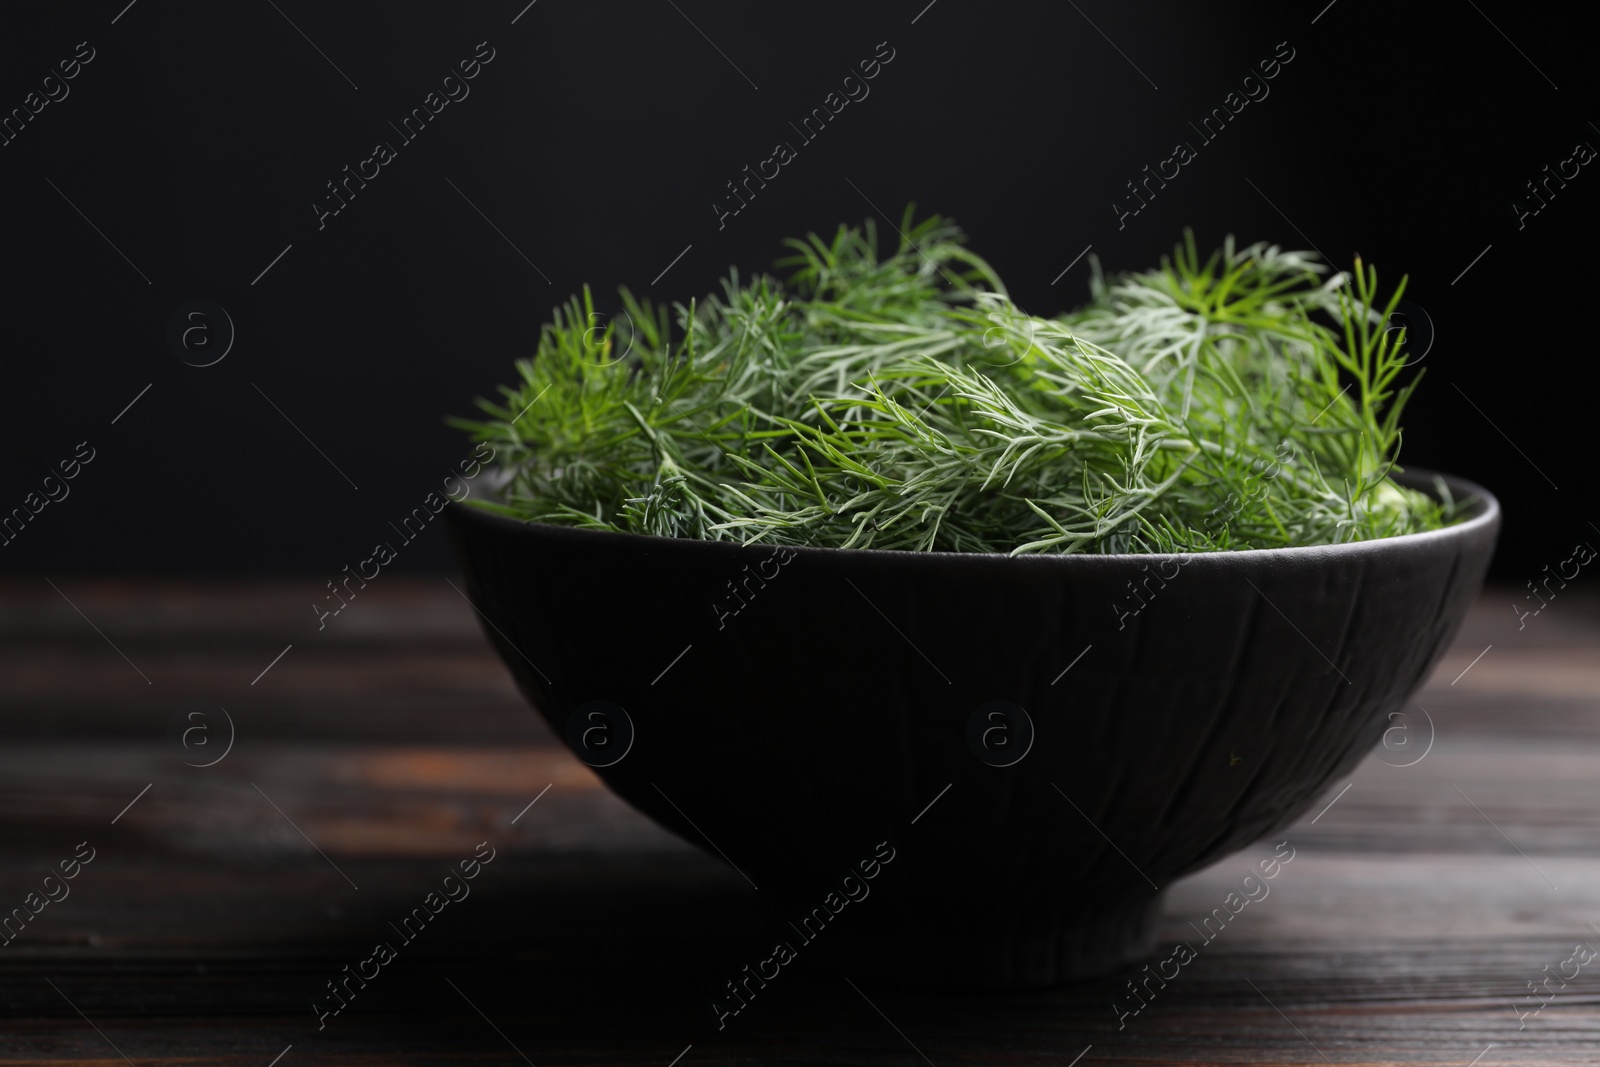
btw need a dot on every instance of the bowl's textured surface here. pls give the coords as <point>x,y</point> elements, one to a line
<point>792,709</point>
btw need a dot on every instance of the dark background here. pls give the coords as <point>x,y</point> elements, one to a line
<point>597,140</point>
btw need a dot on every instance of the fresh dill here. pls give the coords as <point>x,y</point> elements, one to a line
<point>901,400</point>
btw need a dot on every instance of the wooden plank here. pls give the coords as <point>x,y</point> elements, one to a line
<point>1417,908</point>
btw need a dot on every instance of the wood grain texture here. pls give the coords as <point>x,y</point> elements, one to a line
<point>1405,931</point>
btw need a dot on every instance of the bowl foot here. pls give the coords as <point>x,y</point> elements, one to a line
<point>947,949</point>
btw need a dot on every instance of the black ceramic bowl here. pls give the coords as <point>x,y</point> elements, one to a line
<point>1039,743</point>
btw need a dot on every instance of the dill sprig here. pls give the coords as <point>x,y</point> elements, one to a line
<point>902,400</point>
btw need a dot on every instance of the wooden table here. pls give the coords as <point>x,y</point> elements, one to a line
<point>383,749</point>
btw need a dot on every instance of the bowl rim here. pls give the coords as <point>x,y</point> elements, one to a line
<point>1484,515</point>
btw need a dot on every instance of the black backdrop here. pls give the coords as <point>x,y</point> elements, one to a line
<point>188,154</point>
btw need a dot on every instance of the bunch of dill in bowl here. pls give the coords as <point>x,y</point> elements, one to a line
<point>899,399</point>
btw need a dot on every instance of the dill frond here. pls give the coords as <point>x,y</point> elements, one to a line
<point>898,399</point>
